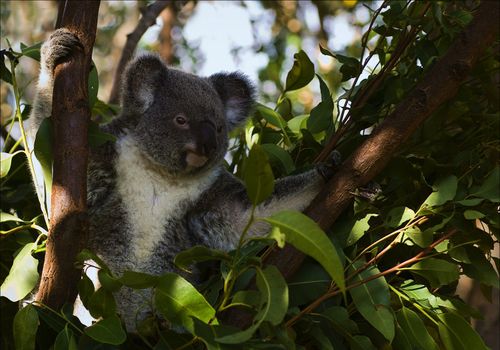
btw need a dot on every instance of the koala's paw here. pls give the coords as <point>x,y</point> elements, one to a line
<point>328,169</point>
<point>58,47</point>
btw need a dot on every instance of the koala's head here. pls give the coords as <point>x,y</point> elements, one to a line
<point>181,121</point>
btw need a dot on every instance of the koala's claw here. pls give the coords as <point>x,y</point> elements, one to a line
<point>327,169</point>
<point>59,46</point>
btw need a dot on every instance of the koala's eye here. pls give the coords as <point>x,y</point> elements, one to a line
<point>180,120</point>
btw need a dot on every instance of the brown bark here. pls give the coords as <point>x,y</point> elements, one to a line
<point>438,86</point>
<point>147,20</point>
<point>70,115</point>
<point>166,48</point>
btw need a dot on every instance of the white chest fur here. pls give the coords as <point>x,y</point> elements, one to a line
<point>149,198</point>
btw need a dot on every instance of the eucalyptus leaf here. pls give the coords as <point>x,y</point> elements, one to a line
<point>278,156</point>
<point>305,235</point>
<point>444,190</point>
<point>93,86</point>
<point>398,216</point>
<point>178,301</point>
<point>258,175</point>
<point>302,72</point>
<point>414,329</point>
<point>438,272</point>
<point>198,254</point>
<point>25,327</point>
<point>274,304</point>
<point>65,340</point>
<point>5,162</point>
<point>43,151</point>
<point>457,334</point>
<point>359,229</point>
<point>138,280</point>
<point>108,330</point>
<point>321,117</point>
<point>490,189</point>
<point>372,300</point>
<point>23,275</point>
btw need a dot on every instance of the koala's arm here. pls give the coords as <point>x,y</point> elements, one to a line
<point>224,212</point>
<point>58,46</point>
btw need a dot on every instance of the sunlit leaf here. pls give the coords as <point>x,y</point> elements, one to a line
<point>305,235</point>
<point>5,162</point>
<point>23,275</point>
<point>398,216</point>
<point>359,229</point>
<point>178,301</point>
<point>138,280</point>
<point>444,190</point>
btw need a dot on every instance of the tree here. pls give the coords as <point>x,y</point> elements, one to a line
<point>423,124</point>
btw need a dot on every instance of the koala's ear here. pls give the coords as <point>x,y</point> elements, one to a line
<point>141,79</point>
<point>237,95</point>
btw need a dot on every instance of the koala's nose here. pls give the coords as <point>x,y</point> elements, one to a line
<point>206,138</point>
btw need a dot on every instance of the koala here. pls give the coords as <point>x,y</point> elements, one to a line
<point>162,187</point>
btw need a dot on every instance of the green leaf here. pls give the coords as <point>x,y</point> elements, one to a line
<point>86,254</point>
<point>32,51</point>
<point>43,151</point>
<point>270,116</point>
<point>302,72</point>
<point>25,327</point>
<point>102,303</point>
<point>178,301</point>
<point>108,330</point>
<point>6,161</point>
<point>480,269</point>
<point>107,281</point>
<point>85,289</point>
<point>23,275</point>
<point>457,334</point>
<point>278,156</point>
<point>65,340</point>
<point>473,214</point>
<point>97,137</point>
<point>444,190</point>
<point>361,342</point>
<point>372,300</point>
<point>198,254</point>
<point>489,189</point>
<point>398,216</point>
<point>437,271</point>
<point>422,239</point>
<point>414,329</point>
<point>258,175</point>
<point>138,280</point>
<point>93,86</point>
<point>5,73</point>
<point>359,229</point>
<point>321,116</point>
<point>4,217</point>
<point>350,66</point>
<point>209,334</point>
<point>305,235</point>
<point>274,304</point>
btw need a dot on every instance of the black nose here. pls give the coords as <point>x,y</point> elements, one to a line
<point>206,138</point>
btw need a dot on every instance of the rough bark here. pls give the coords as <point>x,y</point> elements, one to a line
<point>438,86</point>
<point>70,116</point>
<point>147,20</point>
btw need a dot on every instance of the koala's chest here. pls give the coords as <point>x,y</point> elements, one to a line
<point>151,202</point>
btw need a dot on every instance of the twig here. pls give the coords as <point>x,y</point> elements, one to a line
<point>147,20</point>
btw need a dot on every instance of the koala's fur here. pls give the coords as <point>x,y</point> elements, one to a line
<point>161,187</point>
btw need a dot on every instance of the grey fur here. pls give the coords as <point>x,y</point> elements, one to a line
<point>217,208</point>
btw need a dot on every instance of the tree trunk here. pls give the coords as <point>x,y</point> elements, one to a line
<point>70,116</point>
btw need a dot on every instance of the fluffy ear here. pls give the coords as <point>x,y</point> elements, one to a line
<point>237,95</point>
<point>141,79</point>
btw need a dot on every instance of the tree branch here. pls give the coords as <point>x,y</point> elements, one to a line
<point>147,20</point>
<point>70,116</point>
<point>438,86</point>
